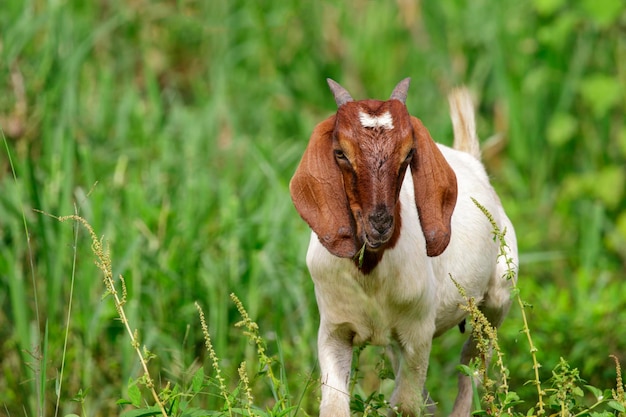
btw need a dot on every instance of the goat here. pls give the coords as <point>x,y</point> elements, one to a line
<point>384,246</point>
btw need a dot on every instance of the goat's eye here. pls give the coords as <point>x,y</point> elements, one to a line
<point>340,155</point>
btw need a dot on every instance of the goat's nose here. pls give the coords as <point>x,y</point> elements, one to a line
<point>381,221</point>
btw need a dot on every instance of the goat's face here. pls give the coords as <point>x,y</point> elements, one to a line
<point>348,182</point>
<point>372,145</point>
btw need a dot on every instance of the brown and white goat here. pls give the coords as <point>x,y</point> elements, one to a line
<point>385,245</point>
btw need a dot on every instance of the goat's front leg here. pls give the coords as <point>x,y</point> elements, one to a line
<point>409,396</point>
<point>335,357</point>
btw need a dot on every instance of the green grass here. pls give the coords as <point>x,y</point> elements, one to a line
<point>174,128</point>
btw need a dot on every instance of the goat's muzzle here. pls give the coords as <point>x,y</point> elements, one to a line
<point>379,229</point>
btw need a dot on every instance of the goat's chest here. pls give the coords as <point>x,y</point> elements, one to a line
<point>374,306</point>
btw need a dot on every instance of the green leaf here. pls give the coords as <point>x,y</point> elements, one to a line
<point>511,399</point>
<point>134,393</point>
<point>557,34</point>
<point>361,255</point>
<point>595,391</point>
<point>609,185</point>
<point>617,406</point>
<point>465,370</point>
<point>197,380</point>
<point>561,128</point>
<point>605,413</point>
<point>196,412</point>
<point>285,412</point>
<point>143,412</point>
<point>601,92</point>
<point>547,7</point>
<point>603,12</point>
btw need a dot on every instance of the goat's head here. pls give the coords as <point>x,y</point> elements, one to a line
<point>348,183</point>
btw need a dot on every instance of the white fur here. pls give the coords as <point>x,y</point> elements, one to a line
<point>384,120</point>
<point>409,296</point>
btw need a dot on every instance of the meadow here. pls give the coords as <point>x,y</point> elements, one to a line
<point>173,128</point>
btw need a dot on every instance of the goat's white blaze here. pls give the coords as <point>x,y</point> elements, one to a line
<point>384,120</point>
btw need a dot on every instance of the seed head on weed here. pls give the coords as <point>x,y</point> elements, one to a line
<point>619,394</point>
<point>245,382</point>
<point>215,362</point>
<point>252,329</point>
<point>266,362</point>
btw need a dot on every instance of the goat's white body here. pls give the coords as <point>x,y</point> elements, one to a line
<point>409,297</point>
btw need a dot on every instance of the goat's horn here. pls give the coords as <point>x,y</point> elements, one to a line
<point>401,90</point>
<point>341,94</point>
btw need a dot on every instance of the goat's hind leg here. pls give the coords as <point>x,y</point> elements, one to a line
<point>463,403</point>
<point>494,307</point>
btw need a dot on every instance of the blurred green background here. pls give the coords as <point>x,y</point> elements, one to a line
<point>174,127</point>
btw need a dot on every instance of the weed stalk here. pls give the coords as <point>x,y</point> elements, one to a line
<point>214,359</point>
<point>69,316</point>
<point>619,394</point>
<point>104,264</point>
<point>510,275</point>
<point>266,362</point>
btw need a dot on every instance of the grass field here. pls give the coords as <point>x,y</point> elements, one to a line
<point>173,128</point>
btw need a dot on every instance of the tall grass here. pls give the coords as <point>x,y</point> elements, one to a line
<point>174,127</point>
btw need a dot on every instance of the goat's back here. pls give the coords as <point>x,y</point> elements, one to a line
<point>471,259</point>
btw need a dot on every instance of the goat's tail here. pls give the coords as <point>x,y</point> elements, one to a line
<point>464,122</point>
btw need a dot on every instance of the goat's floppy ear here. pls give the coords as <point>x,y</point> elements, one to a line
<point>435,190</point>
<point>318,193</point>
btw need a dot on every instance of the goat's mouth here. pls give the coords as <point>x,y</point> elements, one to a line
<point>376,241</point>
<point>372,245</point>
